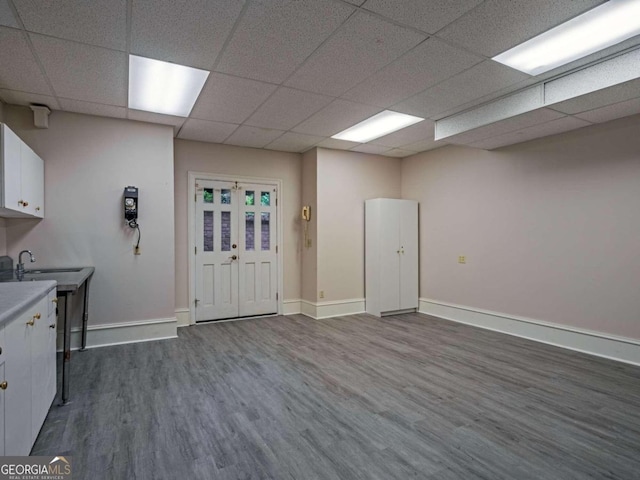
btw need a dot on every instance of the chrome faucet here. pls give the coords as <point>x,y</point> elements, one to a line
<point>20,265</point>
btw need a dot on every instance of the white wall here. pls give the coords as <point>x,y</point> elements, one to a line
<point>230,160</point>
<point>550,228</point>
<point>88,162</point>
<point>345,181</point>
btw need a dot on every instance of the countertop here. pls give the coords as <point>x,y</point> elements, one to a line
<point>67,281</point>
<point>16,296</point>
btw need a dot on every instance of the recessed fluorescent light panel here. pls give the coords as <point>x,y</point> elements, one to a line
<point>377,126</point>
<point>595,30</point>
<point>162,87</point>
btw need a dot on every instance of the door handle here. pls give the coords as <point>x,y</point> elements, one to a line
<point>234,257</point>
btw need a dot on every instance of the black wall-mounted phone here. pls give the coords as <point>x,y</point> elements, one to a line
<point>131,205</point>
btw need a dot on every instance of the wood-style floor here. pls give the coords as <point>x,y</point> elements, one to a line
<point>347,398</point>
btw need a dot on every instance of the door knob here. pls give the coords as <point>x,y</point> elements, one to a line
<point>4,385</point>
<point>234,257</point>
<point>234,246</point>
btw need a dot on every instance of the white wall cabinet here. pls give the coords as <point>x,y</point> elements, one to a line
<point>28,366</point>
<point>22,172</point>
<point>391,256</point>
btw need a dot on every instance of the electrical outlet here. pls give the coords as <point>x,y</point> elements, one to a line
<point>462,259</point>
<point>321,293</point>
<point>137,251</point>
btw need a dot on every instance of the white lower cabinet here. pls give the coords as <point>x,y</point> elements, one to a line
<point>29,353</point>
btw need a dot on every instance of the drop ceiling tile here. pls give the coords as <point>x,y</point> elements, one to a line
<point>425,145</point>
<point>426,65</point>
<point>337,144</point>
<point>187,32</point>
<point>102,23</point>
<point>253,136</point>
<point>554,127</point>
<point>6,15</point>
<point>426,15</point>
<point>611,112</point>
<point>83,72</point>
<point>518,122</point>
<point>230,99</point>
<point>335,117</point>
<point>152,117</point>
<point>286,108</point>
<point>88,108</point>
<point>470,85</point>
<point>356,2</point>
<point>205,131</point>
<point>294,142</point>
<point>400,153</point>
<point>497,25</point>
<point>363,45</point>
<point>24,73</point>
<point>414,133</point>
<point>14,97</point>
<point>600,98</point>
<point>370,148</point>
<point>275,37</point>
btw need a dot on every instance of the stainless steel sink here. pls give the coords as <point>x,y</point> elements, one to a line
<point>52,270</point>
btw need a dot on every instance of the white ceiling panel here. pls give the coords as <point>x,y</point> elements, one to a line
<point>335,117</point>
<point>426,65</point>
<point>426,15</point>
<point>187,32</point>
<point>14,97</point>
<point>96,109</point>
<point>83,72</point>
<point>337,144</point>
<point>426,145</point>
<point>363,45</point>
<point>151,117</point>
<point>230,99</point>
<point>554,127</point>
<point>6,15</point>
<point>205,131</point>
<point>286,108</point>
<point>102,23</point>
<point>369,148</point>
<point>497,25</point>
<point>600,98</point>
<point>400,153</point>
<point>274,38</point>
<point>24,73</point>
<point>294,142</point>
<point>517,122</point>
<point>415,133</point>
<point>470,85</point>
<point>611,112</point>
<point>253,136</point>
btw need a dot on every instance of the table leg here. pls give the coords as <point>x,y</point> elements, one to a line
<point>66,355</point>
<point>85,314</point>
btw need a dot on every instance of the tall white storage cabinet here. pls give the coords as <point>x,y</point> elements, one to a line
<point>391,256</point>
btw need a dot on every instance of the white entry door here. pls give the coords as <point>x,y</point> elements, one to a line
<point>236,252</point>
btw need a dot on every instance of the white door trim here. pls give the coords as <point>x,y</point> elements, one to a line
<point>191,230</point>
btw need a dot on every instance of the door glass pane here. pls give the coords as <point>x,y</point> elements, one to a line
<point>225,225</point>
<point>225,196</point>
<point>207,194</point>
<point>265,199</point>
<point>249,197</point>
<point>208,231</point>
<point>249,231</point>
<point>266,231</point>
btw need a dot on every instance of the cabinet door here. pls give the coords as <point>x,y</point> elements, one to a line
<point>11,183</point>
<point>17,396</point>
<point>32,182</point>
<point>409,258</point>
<point>389,231</point>
<point>41,363</point>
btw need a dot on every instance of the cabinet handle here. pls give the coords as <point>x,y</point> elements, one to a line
<point>37,316</point>
<point>31,322</point>
<point>4,385</point>
<point>52,326</point>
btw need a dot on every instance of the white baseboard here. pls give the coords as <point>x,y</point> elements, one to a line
<point>120,333</point>
<point>291,307</point>
<point>332,309</point>
<point>622,349</point>
<point>183,315</point>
